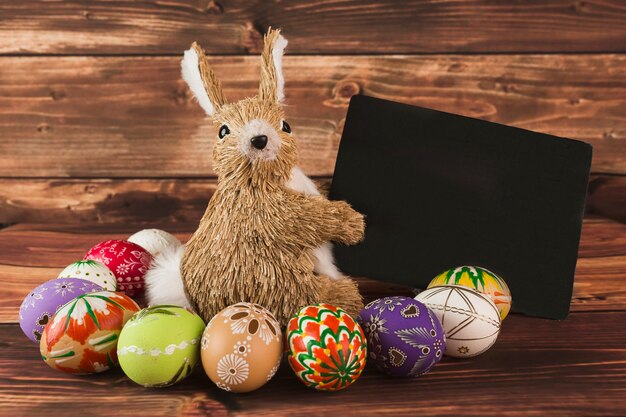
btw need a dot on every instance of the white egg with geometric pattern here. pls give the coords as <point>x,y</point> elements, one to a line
<point>470,319</point>
<point>93,271</point>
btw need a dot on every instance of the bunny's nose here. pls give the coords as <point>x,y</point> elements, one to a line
<point>259,142</point>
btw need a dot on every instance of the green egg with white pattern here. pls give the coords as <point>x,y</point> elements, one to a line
<point>160,345</point>
<point>93,271</point>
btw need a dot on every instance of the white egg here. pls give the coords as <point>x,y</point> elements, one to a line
<point>154,240</point>
<point>470,319</point>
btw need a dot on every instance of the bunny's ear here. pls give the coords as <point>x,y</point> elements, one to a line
<point>201,80</point>
<point>272,81</point>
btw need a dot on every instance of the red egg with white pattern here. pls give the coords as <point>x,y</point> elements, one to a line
<point>128,261</point>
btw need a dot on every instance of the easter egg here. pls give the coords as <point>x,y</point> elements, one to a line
<point>128,261</point>
<point>160,345</point>
<point>326,348</point>
<point>154,240</point>
<point>469,318</point>
<point>404,338</point>
<point>242,347</point>
<point>41,303</point>
<point>81,338</point>
<point>481,280</point>
<point>91,271</point>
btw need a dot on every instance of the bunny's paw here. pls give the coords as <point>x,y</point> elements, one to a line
<point>352,225</point>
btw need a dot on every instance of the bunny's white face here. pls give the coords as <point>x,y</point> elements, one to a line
<point>257,139</point>
<point>253,134</point>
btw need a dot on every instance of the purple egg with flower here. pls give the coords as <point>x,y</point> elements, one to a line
<point>404,338</point>
<point>41,303</point>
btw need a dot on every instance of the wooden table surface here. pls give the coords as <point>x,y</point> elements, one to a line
<point>537,366</point>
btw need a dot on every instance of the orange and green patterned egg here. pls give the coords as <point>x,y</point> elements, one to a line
<point>326,348</point>
<point>481,280</point>
<point>81,338</point>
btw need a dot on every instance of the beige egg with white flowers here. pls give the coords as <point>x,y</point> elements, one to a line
<point>242,347</point>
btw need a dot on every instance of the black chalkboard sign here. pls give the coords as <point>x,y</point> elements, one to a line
<point>442,190</point>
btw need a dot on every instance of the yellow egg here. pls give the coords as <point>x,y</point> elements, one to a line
<point>481,280</point>
<point>242,347</point>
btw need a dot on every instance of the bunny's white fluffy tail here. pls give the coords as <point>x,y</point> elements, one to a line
<point>164,283</point>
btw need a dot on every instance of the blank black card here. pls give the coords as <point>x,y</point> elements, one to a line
<point>441,190</point>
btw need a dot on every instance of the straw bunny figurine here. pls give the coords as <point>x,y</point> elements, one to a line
<point>266,228</point>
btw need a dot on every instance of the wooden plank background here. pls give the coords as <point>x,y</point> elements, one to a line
<point>314,27</point>
<point>96,124</point>
<point>179,200</point>
<point>134,117</point>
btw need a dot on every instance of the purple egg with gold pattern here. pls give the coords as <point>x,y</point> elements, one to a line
<point>41,303</point>
<point>404,338</point>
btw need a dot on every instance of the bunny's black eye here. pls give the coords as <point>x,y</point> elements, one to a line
<point>224,130</point>
<point>286,127</point>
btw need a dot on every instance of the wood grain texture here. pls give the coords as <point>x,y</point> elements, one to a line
<point>347,26</point>
<point>183,200</point>
<point>106,201</point>
<point>607,197</point>
<point>133,117</point>
<point>32,254</point>
<point>537,367</point>
<point>136,201</point>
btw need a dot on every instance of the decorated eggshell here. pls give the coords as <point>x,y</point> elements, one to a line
<point>160,345</point>
<point>470,319</point>
<point>404,338</point>
<point>326,347</point>
<point>155,240</point>
<point>82,336</point>
<point>91,271</point>
<point>481,280</point>
<point>41,303</point>
<point>242,347</point>
<point>128,261</point>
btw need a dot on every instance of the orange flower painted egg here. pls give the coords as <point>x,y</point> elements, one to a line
<point>81,338</point>
<point>326,348</point>
<point>242,347</point>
